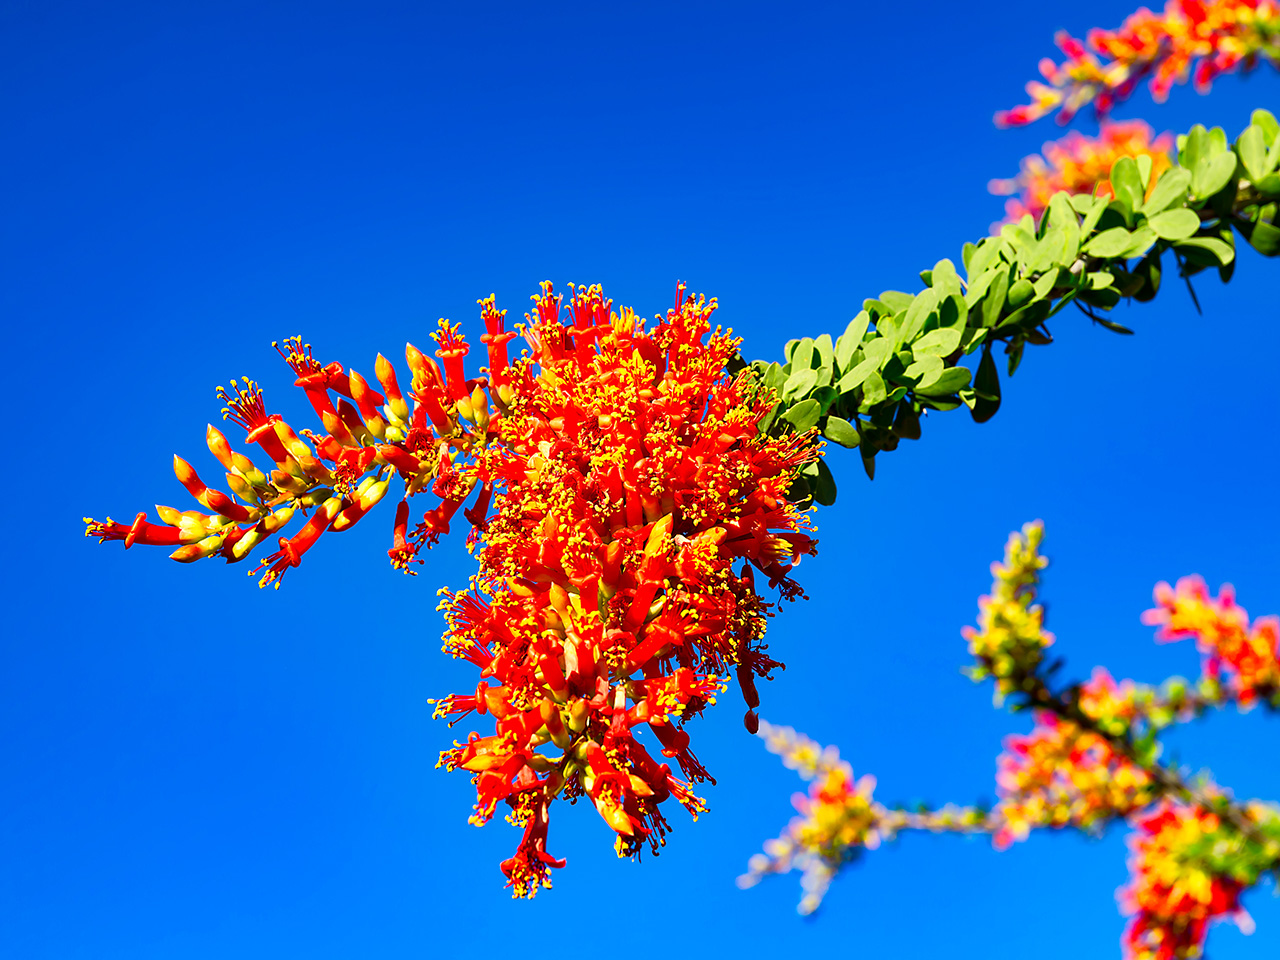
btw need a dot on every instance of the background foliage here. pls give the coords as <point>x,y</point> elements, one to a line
<point>196,767</point>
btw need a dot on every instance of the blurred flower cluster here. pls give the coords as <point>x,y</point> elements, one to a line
<point>1091,759</point>
<point>1188,868</point>
<point>1060,775</point>
<point>1081,164</point>
<point>838,818</point>
<point>1207,37</point>
<point>1009,641</point>
<point>1243,658</point>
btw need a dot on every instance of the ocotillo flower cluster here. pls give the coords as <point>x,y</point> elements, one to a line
<point>633,499</point>
<point>1091,759</point>
<point>1081,164</point>
<point>616,590</point>
<point>1207,37</point>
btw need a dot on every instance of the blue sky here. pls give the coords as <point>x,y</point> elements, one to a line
<point>197,768</point>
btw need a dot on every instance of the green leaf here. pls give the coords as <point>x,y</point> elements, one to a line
<point>1253,153</point>
<point>1273,157</point>
<point>1063,216</point>
<point>1109,243</point>
<point>803,415</point>
<point>1171,188</point>
<point>896,300</point>
<point>774,377</point>
<point>1047,281</point>
<point>1217,141</point>
<point>973,338</point>
<point>978,288</point>
<point>802,357</point>
<point>1211,176</point>
<point>1143,161</point>
<point>1149,271</point>
<point>1106,298</point>
<point>924,371</point>
<point>1266,123</point>
<point>1025,317</point>
<point>993,303</point>
<point>1112,325</point>
<point>1175,224</point>
<point>907,423</point>
<point>826,397</point>
<point>918,313</point>
<point>824,491</point>
<point>945,279</point>
<point>1143,238</point>
<point>873,390</point>
<point>1265,239</point>
<point>951,380</point>
<point>841,431</point>
<point>1221,252</point>
<point>855,377</point>
<point>851,339</point>
<point>1021,292</point>
<point>937,343</point>
<point>986,385</point>
<point>799,383</point>
<point>1049,250</point>
<point>1092,217</point>
<point>1192,146</point>
<point>877,351</point>
<point>1126,181</point>
<point>1270,184</point>
<point>953,312</point>
<point>983,257</point>
<point>1014,350</point>
<point>825,351</point>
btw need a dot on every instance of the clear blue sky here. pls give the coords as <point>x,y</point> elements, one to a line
<point>196,768</point>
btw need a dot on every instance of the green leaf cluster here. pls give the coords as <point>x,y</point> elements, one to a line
<point>905,354</point>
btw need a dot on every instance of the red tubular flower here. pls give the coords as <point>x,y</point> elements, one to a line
<point>245,407</point>
<point>292,548</point>
<point>428,389</point>
<point>368,400</point>
<point>495,340</point>
<point>452,349</point>
<point>140,531</point>
<point>215,500</point>
<point>402,553</point>
<point>387,377</point>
